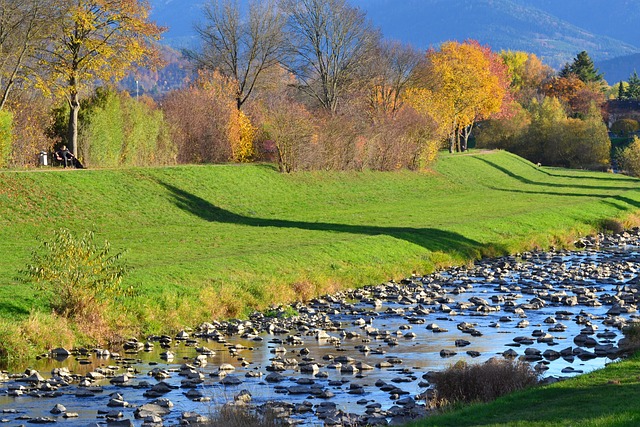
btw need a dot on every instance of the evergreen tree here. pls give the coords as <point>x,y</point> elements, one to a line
<point>621,92</point>
<point>633,89</point>
<point>583,67</point>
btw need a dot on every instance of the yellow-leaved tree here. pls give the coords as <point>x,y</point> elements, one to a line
<point>97,41</point>
<point>457,86</point>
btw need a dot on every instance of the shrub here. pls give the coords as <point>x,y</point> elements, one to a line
<point>631,341</point>
<point>625,127</point>
<point>628,158</point>
<point>290,127</point>
<point>405,140</point>
<point>32,121</point>
<point>118,130</point>
<point>200,120</point>
<point>77,276</point>
<point>242,135</point>
<point>482,382</point>
<point>244,416</point>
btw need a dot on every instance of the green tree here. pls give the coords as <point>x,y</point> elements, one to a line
<point>621,91</point>
<point>583,67</point>
<point>98,40</point>
<point>633,87</point>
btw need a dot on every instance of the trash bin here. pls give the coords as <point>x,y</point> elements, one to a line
<point>43,158</point>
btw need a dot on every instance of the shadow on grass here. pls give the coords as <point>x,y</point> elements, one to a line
<point>549,171</point>
<point>604,197</point>
<point>10,309</point>
<point>428,238</point>
<point>554,185</point>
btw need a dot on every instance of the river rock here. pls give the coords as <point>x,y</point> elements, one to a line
<point>151,409</point>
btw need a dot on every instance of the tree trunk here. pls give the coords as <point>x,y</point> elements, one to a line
<point>72,131</point>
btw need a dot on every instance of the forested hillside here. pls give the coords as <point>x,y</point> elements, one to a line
<point>553,30</point>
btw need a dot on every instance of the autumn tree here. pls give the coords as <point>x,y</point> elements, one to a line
<point>527,73</point>
<point>241,49</point>
<point>329,45</point>
<point>563,88</point>
<point>24,25</point>
<point>458,85</point>
<point>98,41</point>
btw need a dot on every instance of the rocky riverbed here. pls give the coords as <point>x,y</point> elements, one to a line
<point>358,357</point>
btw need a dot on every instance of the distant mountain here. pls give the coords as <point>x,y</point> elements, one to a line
<point>619,68</point>
<point>555,30</point>
<point>614,18</point>
<point>502,24</point>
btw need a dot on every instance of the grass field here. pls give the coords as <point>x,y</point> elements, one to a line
<point>604,398</point>
<point>213,241</point>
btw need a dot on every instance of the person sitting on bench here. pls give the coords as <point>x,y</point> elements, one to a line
<point>64,155</point>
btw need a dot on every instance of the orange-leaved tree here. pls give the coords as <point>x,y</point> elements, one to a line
<point>458,85</point>
<point>98,41</point>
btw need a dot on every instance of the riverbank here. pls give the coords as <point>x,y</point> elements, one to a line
<point>603,398</point>
<point>367,356</point>
<point>212,242</point>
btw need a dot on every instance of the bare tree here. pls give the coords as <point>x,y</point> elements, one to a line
<point>24,24</point>
<point>329,45</point>
<point>391,73</point>
<point>240,49</point>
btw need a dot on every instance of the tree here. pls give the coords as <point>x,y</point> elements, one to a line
<point>528,74</point>
<point>99,40</point>
<point>24,24</point>
<point>633,87</point>
<point>583,67</point>
<point>621,91</point>
<point>329,47</point>
<point>458,85</point>
<point>391,75</point>
<point>563,88</point>
<point>240,50</point>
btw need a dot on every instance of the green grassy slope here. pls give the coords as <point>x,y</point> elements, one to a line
<point>211,240</point>
<point>604,398</point>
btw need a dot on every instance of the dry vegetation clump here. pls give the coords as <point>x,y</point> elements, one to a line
<point>244,416</point>
<point>482,382</point>
<point>631,341</point>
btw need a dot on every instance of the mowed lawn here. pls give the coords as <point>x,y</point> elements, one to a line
<point>214,240</point>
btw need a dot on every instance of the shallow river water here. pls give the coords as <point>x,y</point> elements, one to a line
<point>584,291</point>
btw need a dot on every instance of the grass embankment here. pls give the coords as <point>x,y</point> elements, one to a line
<point>606,397</point>
<point>211,241</point>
